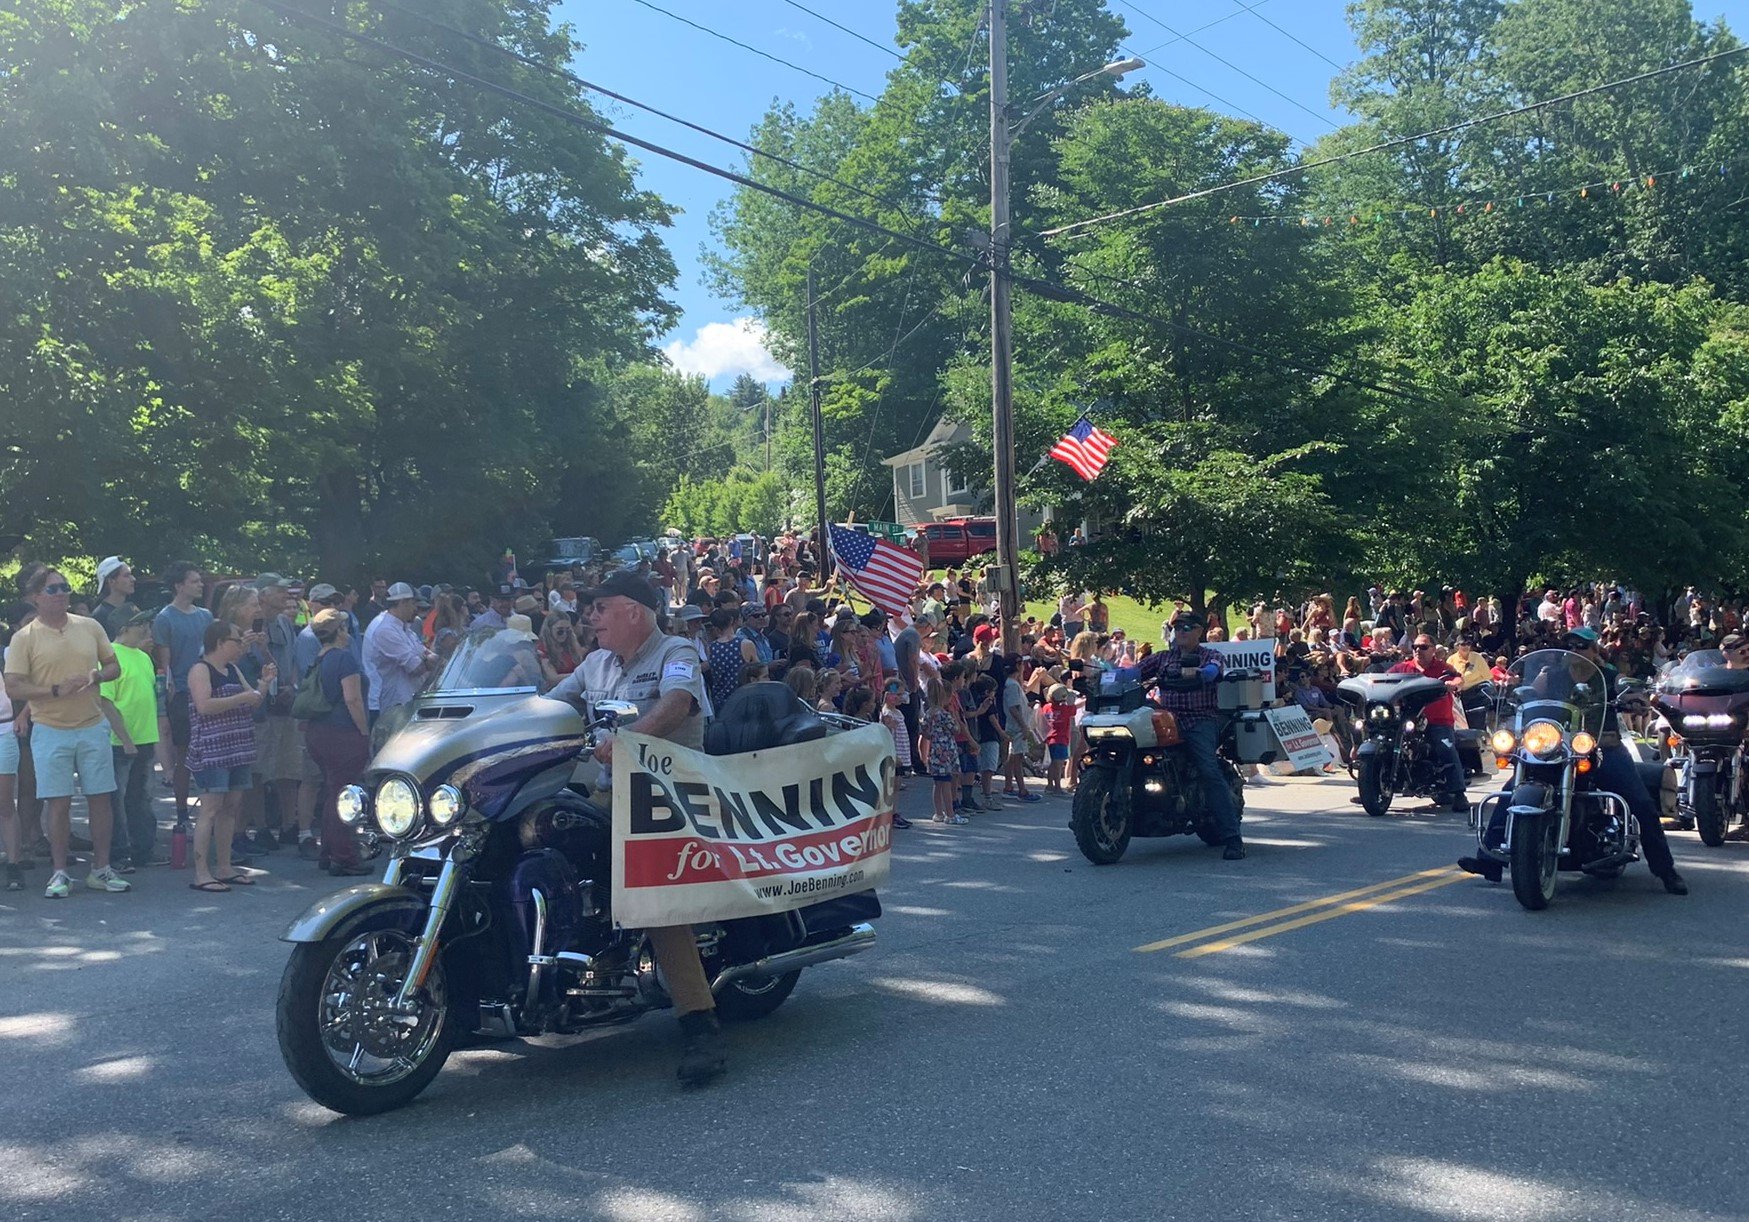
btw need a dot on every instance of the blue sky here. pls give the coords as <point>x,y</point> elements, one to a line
<point>645,54</point>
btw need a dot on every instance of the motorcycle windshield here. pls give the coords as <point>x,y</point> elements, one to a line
<point>1556,686</point>
<point>490,659</point>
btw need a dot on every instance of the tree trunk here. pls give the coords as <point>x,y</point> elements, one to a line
<point>340,531</point>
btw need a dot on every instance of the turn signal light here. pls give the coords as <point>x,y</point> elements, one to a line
<point>1502,763</point>
<point>1673,742</point>
<point>1583,765</point>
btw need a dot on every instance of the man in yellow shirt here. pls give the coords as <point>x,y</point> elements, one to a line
<point>56,662</point>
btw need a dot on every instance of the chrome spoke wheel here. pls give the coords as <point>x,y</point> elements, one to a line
<point>366,1038</point>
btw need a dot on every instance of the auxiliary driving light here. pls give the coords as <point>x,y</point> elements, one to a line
<point>350,805</point>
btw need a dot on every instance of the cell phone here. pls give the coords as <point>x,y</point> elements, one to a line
<point>259,625</point>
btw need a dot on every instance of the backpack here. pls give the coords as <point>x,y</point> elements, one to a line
<point>311,702</point>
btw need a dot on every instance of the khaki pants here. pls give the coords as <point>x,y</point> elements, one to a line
<point>677,955</point>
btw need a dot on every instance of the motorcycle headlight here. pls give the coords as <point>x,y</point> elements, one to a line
<point>1502,742</point>
<point>1379,712</point>
<point>446,805</point>
<point>397,807</point>
<point>1540,738</point>
<point>1095,733</point>
<point>1694,721</point>
<point>1583,743</point>
<point>351,804</point>
<point>1720,721</point>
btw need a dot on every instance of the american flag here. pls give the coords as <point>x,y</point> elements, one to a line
<point>1084,448</point>
<point>886,575</point>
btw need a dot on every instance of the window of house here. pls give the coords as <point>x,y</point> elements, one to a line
<point>914,480</point>
<point>956,485</point>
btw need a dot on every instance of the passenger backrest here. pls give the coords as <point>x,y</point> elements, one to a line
<point>760,716</point>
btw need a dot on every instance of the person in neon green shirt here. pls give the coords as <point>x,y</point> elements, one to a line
<point>135,697</point>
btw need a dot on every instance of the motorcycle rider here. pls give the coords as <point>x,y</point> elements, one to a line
<point>662,676</point>
<point>1616,773</point>
<point>1188,661</point>
<point>1735,647</point>
<point>1440,717</point>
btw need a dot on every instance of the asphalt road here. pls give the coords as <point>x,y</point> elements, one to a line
<point>1424,1049</point>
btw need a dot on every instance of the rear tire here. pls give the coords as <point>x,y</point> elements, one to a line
<point>743,1001</point>
<point>1536,859</point>
<point>1709,816</point>
<point>1375,790</point>
<point>1100,816</point>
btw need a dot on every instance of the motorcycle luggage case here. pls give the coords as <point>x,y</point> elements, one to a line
<point>1254,739</point>
<point>1245,693</point>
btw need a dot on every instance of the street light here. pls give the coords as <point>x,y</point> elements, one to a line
<point>1002,135</point>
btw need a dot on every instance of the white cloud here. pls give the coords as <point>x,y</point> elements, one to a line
<point>720,349</point>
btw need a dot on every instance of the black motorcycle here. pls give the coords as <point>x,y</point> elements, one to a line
<point>1551,718</point>
<point>1707,707</point>
<point>494,916</point>
<point>1137,778</point>
<point>1394,756</point>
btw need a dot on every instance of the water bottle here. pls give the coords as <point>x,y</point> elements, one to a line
<point>179,846</point>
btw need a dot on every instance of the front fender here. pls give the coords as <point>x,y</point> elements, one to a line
<point>328,913</point>
<point>1373,746</point>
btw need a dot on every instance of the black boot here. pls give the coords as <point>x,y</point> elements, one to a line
<point>1235,850</point>
<point>702,1058</point>
<point>1673,882</point>
<point>1487,867</point>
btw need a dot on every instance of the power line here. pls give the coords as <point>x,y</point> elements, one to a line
<point>1256,80</point>
<point>1040,287</point>
<point>583,121</point>
<point>1207,25</point>
<point>1291,37</point>
<point>846,29</point>
<point>1396,142</point>
<point>567,75</point>
<point>776,59</point>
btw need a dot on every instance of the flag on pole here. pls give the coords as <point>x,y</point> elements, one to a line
<point>886,575</point>
<point>1084,448</point>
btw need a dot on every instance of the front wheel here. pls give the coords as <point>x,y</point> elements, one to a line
<point>1375,787</point>
<point>339,1033</point>
<point>1536,859</point>
<point>1101,816</point>
<point>1709,814</point>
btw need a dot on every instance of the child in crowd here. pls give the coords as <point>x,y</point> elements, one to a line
<point>859,702</point>
<point>831,684</point>
<point>940,748</point>
<point>753,672</point>
<point>987,731</point>
<point>893,700</point>
<point>1018,731</point>
<point>801,681</point>
<point>1060,722</point>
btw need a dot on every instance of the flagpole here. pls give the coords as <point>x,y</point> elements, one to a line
<point>820,523</point>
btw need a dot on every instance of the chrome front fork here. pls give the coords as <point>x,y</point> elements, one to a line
<point>425,949</point>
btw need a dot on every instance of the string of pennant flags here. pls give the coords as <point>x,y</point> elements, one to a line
<point>1606,188</point>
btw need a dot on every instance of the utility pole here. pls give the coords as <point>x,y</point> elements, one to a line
<point>1001,340</point>
<point>768,433</point>
<point>819,439</point>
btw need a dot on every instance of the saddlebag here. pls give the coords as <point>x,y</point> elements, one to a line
<point>760,716</point>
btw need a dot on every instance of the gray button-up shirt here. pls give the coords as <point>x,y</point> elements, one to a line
<point>661,665</point>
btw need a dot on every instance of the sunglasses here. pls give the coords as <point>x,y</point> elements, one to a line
<point>58,587</point>
<point>1422,648</point>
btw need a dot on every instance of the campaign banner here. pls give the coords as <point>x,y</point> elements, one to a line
<point>1300,742</point>
<point>701,837</point>
<point>1249,655</point>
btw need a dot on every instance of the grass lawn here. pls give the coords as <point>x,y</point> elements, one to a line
<point>1139,621</point>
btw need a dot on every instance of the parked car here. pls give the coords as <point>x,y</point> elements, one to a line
<point>957,540</point>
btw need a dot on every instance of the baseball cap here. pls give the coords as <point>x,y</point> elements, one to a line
<point>1189,618</point>
<point>505,590</point>
<point>108,567</point>
<point>625,584</point>
<point>1732,640</point>
<point>399,592</point>
<point>753,611</point>
<point>1588,635</point>
<point>143,618</point>
<point>268,581</point>
<point>983,632</point>
<point>321,592</point>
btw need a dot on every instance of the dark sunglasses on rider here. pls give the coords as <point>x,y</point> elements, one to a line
<point>59,587</point>
<point>1419,648</point>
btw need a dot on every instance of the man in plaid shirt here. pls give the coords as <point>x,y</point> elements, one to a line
<point>1187,671</point>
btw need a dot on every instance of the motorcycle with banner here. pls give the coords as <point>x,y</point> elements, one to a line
<point>516,896</point>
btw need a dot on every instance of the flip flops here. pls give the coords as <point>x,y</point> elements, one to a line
<point>212,885</point>
<point>239,880</point>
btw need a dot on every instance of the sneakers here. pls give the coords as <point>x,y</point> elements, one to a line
<point>1027,797</point>
<point>957,820</point>
<point>14,877</point>
<point>900,822</point>
<point>106,879</point>
<point>308,849</point>
<point>991,802</point>
<point>60,886</point>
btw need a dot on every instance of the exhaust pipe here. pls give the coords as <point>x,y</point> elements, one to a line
<point>859,939</point>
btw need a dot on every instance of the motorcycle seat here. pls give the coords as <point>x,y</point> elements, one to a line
<point>760,716</point>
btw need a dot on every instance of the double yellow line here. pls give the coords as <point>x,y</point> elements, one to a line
<point>1268,924</point>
